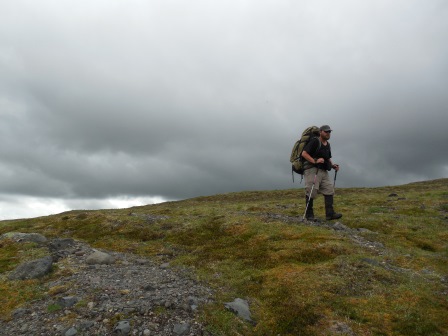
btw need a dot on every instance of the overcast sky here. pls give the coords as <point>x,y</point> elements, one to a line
<point>107,104</point>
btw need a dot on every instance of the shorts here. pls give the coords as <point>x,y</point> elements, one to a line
<point>323,184</point>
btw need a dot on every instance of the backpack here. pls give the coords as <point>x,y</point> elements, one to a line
<point>296,154</point>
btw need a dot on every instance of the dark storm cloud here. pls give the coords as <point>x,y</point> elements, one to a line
<point>179,99</point>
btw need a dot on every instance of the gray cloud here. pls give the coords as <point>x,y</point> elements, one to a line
<point>180,99</point>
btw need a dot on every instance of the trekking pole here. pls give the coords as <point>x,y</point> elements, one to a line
<point>311,193</point>
<point>335,174</point>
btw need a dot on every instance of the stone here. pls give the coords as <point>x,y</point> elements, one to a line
<point>32,269</point>
<point>100,258</point>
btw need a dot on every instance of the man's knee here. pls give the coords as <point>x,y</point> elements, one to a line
<point>314,194</point>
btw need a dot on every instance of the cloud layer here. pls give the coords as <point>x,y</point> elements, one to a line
<point>108,100</point>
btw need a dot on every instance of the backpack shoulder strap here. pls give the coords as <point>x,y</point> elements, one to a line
<point>318,144</point>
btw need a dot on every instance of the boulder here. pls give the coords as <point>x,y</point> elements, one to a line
<point>101,258</point>
<point>24,237</point>
<point>32,269</point>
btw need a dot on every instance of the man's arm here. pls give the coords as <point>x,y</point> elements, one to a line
<point>308,157</point>
<point>334,166</point>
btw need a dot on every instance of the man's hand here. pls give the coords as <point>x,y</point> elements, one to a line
<point>335,167</point>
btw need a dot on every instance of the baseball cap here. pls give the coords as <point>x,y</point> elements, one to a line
<point>325,128</point>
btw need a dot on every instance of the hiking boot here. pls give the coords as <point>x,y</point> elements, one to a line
<point>309,215</point>
<point>334,215</point>
<point>329,211</point>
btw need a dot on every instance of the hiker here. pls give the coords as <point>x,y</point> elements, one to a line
<point>317,155</point>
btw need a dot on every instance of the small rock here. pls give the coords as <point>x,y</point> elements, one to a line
<point>71,332</point>
<point>181,329</point>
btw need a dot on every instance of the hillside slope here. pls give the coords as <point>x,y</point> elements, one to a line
<point>380,270</point>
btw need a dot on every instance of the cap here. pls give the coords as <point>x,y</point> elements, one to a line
<point>325,128</point>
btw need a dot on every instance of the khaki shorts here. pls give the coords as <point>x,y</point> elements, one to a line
<point>323,184</point>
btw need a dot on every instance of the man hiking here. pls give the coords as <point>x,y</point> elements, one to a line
<point>317,155</point>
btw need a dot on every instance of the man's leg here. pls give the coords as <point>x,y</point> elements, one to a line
<point>309,214</point>
<point>328,190</point>
<point>311,186</point>
<point>329,211</point>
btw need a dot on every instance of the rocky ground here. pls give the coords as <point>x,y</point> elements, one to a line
<point>111,294</point>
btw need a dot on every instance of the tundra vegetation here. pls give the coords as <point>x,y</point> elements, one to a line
<point>386,273</point>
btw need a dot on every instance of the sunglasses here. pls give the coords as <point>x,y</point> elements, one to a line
<point>327,131</point>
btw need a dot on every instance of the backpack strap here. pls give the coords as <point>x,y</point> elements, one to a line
<point>318,146</point>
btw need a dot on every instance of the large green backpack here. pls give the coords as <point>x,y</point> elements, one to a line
<point>296,154</point>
